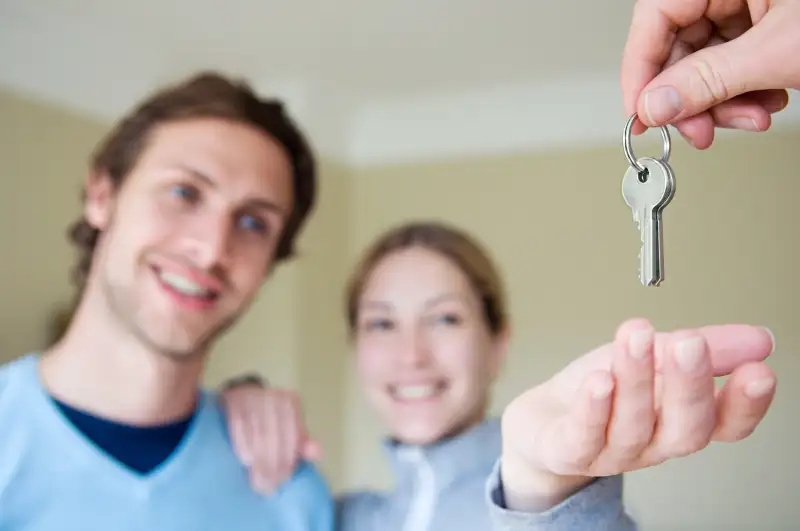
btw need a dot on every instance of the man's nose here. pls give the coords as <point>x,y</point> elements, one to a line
<point>208,243</point>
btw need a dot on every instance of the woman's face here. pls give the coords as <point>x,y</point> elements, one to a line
<point>425,353</point>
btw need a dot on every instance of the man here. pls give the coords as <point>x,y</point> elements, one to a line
<point>191,202</point>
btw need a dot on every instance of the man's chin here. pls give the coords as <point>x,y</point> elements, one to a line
<point>183,348</point>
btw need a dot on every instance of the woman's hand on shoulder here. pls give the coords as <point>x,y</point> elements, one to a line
<point>268,432</point>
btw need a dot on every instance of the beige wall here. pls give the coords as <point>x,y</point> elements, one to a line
<point>567,244</point>
<point>43,154</point>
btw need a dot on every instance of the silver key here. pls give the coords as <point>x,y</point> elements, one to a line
<point>648,193</point>
<point>648,187</point>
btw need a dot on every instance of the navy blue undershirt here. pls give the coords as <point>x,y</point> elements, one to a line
<point>140,449</point>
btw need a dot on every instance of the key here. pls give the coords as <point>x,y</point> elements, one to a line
<point>648,193</point>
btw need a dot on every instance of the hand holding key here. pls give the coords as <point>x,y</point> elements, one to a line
<point>701,64</point>
<point>648,187</point>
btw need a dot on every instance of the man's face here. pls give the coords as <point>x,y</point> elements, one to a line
<point>191,233</point>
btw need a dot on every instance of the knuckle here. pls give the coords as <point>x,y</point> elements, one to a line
<point>629,448</point>
<point>687,444</point>
<point>713,69</point>
<point>631,441</point>
<point>578,454</point>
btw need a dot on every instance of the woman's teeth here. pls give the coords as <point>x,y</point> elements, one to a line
<point>416,392</point>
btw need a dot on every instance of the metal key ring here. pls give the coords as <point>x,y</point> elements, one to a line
<point>626,144</point>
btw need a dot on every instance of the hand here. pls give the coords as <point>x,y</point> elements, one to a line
<point>268,433</point>
<point>698,64</point>
<point>631,404</point>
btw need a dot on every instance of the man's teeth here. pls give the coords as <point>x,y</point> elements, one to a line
<point>415,392</point>
<point>184,285</point>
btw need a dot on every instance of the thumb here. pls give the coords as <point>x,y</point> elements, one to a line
<point>759,59</point>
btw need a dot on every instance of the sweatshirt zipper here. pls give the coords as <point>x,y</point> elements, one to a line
<point>423,499</point>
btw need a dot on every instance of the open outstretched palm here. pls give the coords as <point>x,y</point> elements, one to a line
<point>635,402</point>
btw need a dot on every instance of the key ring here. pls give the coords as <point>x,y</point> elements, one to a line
<point>626,144</point>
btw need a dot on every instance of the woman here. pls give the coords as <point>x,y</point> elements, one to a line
<point>427,314</point>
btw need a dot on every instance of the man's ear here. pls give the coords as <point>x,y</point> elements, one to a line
<point>99,199</point>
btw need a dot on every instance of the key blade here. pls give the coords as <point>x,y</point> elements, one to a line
<point>651,256</point>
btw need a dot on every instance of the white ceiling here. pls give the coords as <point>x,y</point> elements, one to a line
<point>340,64</point>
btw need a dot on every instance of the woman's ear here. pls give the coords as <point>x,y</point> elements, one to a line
<point>99,196</point>
<point>499,350</point>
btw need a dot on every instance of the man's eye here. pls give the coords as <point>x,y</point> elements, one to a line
<point>252,223</point>
<point>187,193</point>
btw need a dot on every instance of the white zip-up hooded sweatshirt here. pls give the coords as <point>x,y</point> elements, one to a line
<point>455,485</point>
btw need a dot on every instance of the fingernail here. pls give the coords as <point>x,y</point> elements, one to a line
<point>760,388</point>
<point>772,337</point>
<point>689,355</point>
<point>662,104</point>
<point>639,344</point>
<point>744,124</point>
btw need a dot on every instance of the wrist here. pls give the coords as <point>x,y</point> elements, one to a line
<point>527,489</point>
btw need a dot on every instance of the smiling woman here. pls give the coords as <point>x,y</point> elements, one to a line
<point>426,308</point>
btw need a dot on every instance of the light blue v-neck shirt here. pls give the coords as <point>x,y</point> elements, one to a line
<point>53,478</point>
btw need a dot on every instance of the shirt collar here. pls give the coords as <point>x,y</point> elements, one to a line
<point>451,459</point>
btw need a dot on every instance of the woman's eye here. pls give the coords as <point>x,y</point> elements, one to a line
<point>449,319</point>
<point>379,324</point>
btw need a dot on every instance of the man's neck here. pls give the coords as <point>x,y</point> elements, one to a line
<point>103,369</point>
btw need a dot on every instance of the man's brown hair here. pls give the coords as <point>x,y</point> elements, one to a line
<point>206,95</point>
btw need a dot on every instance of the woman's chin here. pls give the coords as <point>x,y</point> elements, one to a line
<point>423,434</point>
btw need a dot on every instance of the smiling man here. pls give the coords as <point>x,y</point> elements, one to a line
<point>190,203</point>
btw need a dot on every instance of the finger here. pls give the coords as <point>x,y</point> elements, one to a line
<point>688,408</point>
<point>718,73</point>
<point>265,442</point>
<point>729,345</point>
<point>261,403</point>
<point>576,439</point>
<point>687,41</point>
<point>650,38</point>
<point>697,130</point>
<point>291,439</point>
<point>312,450</point>
<point>750,112</point>
<point>271,442</point>
<point>632,416</point>
<point>237,428</point>
<point>743,402</point>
